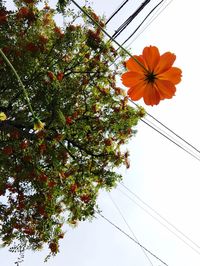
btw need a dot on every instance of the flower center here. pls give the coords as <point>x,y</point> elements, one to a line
<point>150,77</point>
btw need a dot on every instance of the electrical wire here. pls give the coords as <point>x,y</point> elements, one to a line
<point>118,209</point>
<point>147,25</point>
<point>123,232</point>
<point>117,10</point>
<point>140,26</point>
<point>170,139</point>
<point>162,218</point>
<point>130,19</point>
<point>130,36</point>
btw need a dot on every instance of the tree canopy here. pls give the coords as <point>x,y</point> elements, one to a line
<point>64,122</point>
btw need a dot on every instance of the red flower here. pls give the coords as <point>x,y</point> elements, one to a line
<point>43,39</point>
<point>3,16</point>
<point>31,47</point>
<point>24,144</point>
<point>27,158</point>
<point>43,177</point>
<point>68,120</point>
<point>59,32</point>
<point>151,76</point>
<point>60,76</point>
<point>51,183</point>
<point>85,198</point>
<point>8,150</point>
<point>23,12</point>
<point>29,231</point>
<point>15,134</point>
<point>53,247</point>
<point>42,148</point>
<point>50,75</point>
<point>73,188</point>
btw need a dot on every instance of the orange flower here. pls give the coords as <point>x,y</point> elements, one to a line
<point>152,77</point>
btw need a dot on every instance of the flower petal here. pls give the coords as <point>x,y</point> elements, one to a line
<point>173,75</point>
<point>166,89</point>
<point>151,57</point>
<point>137,92</point>
<point>130,79</point>
<point>165,62</point>
<point>151,95</point>
<point>132,65</point>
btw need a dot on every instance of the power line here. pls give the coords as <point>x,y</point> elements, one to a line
<point>171,140</point>
<point>123,232</point>
<point>178,140</point>
<point>118,209</point>
<point>162,218</point>
<point>141,25</point>
<point>142,22</point>
<point>151,20</point>
<point>117,10</point>
<point>178,136</point>
<point>130,19</point>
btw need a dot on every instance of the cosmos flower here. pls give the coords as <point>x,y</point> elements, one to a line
<point>151,76</point>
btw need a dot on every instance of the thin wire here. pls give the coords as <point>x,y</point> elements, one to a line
<point>130,19</point>
<point>138,29</point>
<point>173,133</point>
<point>117,10</point>
<point>163,218</point>
<point>144,27</point>
<point>178,145</point>
<point>161,223</point>
<point>142,22</point>
<point>171,137</point>
<point>118,209</point>
<point>150,22</point>
<point>118,228</point>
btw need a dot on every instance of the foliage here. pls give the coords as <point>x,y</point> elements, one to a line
<point>62,139</point>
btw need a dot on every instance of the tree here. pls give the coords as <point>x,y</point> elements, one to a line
<point>64,122</point>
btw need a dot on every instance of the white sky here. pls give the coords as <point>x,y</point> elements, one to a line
<point>161,174</point>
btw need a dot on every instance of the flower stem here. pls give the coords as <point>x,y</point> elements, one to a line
<point>20,82</point>
<point>110,37</point>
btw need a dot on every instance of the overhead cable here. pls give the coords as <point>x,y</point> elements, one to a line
<point>151,20</point>
<point>184,236</point>
<point>130,19</point>
<point>170,139</point>
<point>123,232</point>
<point>117,10</point>
<point>130,36</point>
<point>118,209</point>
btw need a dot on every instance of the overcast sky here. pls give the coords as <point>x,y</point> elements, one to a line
<point>161,174</point>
